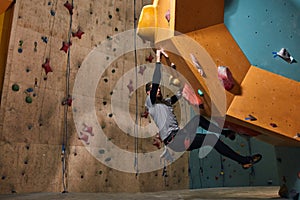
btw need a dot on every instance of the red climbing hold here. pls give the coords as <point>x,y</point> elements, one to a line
<point>84,137</point>
<point>47,66</point>
<point>149,58</point>
<point>167,16</point>
<point>130,86</point>
<point>88,129</point>
<point>78,34</point>
<point>189,95</point>
<point>68,101</point>
<point>225,76</point>
<point>65,46</point>
<point>142,69</point>
<point>69,7</point>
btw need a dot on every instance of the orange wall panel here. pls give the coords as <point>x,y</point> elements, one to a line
<point>270,98</point>
<point>191,15</point>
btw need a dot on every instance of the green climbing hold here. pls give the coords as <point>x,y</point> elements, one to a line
<point>15,87</point>
<point>28,99</point>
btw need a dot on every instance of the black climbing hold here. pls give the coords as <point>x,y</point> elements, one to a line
<point>27,147</point>
<point>28,99</point>
<point>101,151</point>
<point>3,177</point>
<point>116,29</point>
<point>52,12</point>
<point>27,70</point>
<point>113,71</point>
<point>109,16</point>
<point>110,115</point>
<point>49,3</point>
<point>25,162</point>
<point>104,102</point>
<point>105,80</point>
<point>100,172</point>
<point>81,176</point>
<point>15,87</point>
<point>20,50</point>
<point>45,39</point>
<point>111,93</point>
<point>117,9</point>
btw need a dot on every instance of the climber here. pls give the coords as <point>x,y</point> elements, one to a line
<point>185,139</point>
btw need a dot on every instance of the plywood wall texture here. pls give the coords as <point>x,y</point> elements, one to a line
<point>35,119</point>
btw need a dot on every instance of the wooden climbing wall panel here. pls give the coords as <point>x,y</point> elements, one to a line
<point>44,59</point>
<point>273,101</point>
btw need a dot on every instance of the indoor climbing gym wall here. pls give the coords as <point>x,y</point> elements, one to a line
<point>47,142</point>
<point>253,49</point>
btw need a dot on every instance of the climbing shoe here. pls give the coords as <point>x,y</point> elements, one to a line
<point>254,159</point>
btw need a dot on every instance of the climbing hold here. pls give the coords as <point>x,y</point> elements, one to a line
<point>65,46</point>
<point>149,58</point>
<point>84,137</point>
<point>88,129</point>
<point>78,34</point>
<point>200,92</point>
<point>69,7</point>
<point>15,87</point>
<point>52,12</point>
<point>28,99</point>
<point>101,151</point>
<point>273,125</point>
<point>197,65</point>
<point>35,82</point>
<point>130,86</point>
<point>47,66</point>
<point>44,39</point>
<point>164,173</point>
<point>174,81</point>
<point>251,118</point>
<point>20,50</point>
<point>225,77</point>
<point>3,177</point>
<point>67,101</point>
<point>117,9</point>
<point>189,95</point>
<point>142,69</point>
<point>110,16</point>
<point>21,43</point>
<point>285,55</point>
<point>108,159</point>
<point>35,46</point>
<point>145,114</point>
<point>29,90</point>
<point>167,15</point>
<point>110,115</point>
<point>113,71</point>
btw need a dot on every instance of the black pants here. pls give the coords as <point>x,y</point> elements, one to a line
<point>187,136</point>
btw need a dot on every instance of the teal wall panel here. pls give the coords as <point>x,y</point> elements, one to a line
<point>261,27</point>
<point>214,170</point>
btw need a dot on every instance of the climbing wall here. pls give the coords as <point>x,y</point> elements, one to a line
<point>42,149</point>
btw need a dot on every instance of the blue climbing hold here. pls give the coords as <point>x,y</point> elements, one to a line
<point>200,92</point>
<point>45,39</point>
<point>29,90</point>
